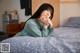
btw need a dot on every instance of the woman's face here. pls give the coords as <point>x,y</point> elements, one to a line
<point>45,16</point>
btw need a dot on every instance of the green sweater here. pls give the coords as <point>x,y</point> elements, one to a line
<point>35,29</point>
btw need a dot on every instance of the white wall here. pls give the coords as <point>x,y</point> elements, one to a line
<point>69,10</point>
<point>9,5</point>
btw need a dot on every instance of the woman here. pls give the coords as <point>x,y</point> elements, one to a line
<point>39,25</point>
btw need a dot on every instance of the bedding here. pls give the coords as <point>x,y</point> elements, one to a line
<point>69,35</point>
<point>67,32</point>
<point>54,44</point>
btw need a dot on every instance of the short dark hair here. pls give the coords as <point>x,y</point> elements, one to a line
<point>44,6</point>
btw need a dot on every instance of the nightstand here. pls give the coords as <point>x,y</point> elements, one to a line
<point>12,28</point>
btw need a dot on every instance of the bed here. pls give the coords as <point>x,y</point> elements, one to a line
<point>70,29</point>
<point>65,39</point>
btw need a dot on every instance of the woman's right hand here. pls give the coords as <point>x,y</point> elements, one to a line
<point>51,25</point>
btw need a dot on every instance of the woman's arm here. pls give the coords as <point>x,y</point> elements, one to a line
<point>30,29</point>
<point>51,30</point>
<point>33,29</point>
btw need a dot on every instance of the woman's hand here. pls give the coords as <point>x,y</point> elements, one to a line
<point>47,23</point>
<point>51,25</point>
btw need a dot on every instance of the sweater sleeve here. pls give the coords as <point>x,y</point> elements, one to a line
<point>51,31</point>
<point>45,32</point>
<point>33,29</point>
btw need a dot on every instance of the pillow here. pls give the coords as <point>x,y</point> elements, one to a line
<point>72,22</point>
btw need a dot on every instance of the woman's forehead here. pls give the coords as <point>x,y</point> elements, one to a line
<point>46,11</point>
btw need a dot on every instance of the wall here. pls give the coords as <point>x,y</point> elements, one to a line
<point>69,8</point>
<point>55,3</point>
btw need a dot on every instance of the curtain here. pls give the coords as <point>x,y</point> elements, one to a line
<point>27,5</point>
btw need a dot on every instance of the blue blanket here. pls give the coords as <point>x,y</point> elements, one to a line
<point>65,40</point>
<point>25,44</point>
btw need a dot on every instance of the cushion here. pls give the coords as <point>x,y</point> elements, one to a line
<point>72,22</point>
